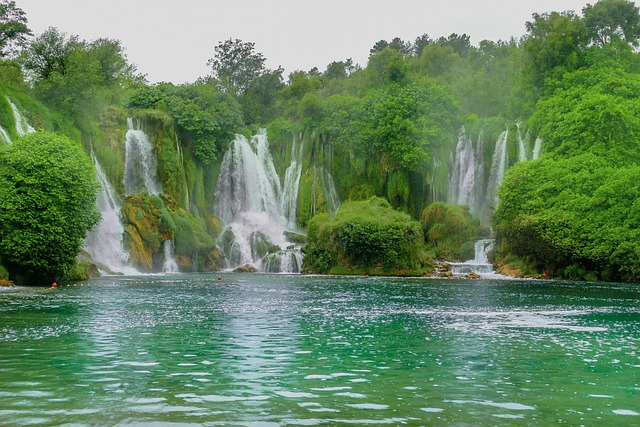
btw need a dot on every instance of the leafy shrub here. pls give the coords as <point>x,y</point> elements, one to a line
<point>365,235</point>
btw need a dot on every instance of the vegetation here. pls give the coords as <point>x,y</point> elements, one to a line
<point>48,196</point>
<point>450,231</point>
<point>365,237</point>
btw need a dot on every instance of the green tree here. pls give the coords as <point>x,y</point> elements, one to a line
<point>236,64</point>
<point>13,28</point>
<point>554,44</point>
<point>48,195</point>
<point>610,21</point>
<point>593,110</point>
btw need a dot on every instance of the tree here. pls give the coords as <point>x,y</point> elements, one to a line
<point>48,194</point>
<point>593,110</point>
<point>13,28</point>
<point>612,21</point>
<point>554,45</point>
<point>236,64</point>
<point>48,54</point>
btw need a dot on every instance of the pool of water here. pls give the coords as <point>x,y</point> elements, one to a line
<point>275,350</point>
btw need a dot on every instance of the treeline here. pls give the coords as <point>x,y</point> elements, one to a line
<point>391,125</point>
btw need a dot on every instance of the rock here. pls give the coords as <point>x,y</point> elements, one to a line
<point>6,282</point>
<point>472,275</point>
<point>245,269</point>
<point>507,270</point>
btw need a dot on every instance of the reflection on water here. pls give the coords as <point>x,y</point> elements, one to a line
<point>290,350</point>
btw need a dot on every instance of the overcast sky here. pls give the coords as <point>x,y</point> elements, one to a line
<point>171,40</point>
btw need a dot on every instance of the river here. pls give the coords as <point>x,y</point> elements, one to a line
<point>274,350</point>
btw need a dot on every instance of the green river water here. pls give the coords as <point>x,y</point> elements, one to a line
<point>274,350</point>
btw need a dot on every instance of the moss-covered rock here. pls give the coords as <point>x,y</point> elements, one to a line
<point>366,236</point>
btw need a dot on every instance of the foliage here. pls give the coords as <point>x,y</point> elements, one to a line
<point>448,229</point>
<point>48,192</point>
<point>13,28</point>
<point>571,215</point>
<point>594,110</point>
<point>236,65</point>
<point>611,21</point>
<point>77,78</point>
<point>365,235</point>
<point>206,117</point>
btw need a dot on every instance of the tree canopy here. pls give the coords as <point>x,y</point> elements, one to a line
<point>48,195</point>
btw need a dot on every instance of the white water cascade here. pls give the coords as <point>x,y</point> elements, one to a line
<point>524,144</point>
<point>292,185</point>
<point>105,242</point>
<point>498,167</point>
<point>170,265</point>
<point>479,264</point>
<point>4,136</point>
<point>466,180</point>
<point>22,125</point>
<point>140,175</point>
<point>537,148</point>
<point>256,209</point>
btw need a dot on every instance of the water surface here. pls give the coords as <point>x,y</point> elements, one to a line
<point>274,350</point>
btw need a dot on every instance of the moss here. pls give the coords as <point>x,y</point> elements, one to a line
<point>148,224</point>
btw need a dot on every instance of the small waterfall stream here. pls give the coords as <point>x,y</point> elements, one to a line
<point>22,125</point>
<point>4,136</point>
<point>105,242</point>
<point>170,265</point>
<point>480,264</point>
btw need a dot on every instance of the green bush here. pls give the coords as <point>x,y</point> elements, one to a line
<point>450,230</point>
<point>365,235</point>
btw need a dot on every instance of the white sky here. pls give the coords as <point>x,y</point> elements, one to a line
<point>171,40</point>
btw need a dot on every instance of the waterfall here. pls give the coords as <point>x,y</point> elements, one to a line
<point>498,167</point>
<point>537,148</point>
<point>22,126</point>
<point>251,202</point>
<point>105,242</point>
<point>330,193</point>
<point>466,179</point>
<point>170,265</point>
<point>292,184</point>
<point>480,264</point>
<point>140,174</point>
<point>4,136</point>
<point>523,144</point>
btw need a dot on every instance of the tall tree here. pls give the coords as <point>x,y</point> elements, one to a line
<point>612,20</point>
<point>13,28</point>
<point>48,195</point>
<point>236,65</point>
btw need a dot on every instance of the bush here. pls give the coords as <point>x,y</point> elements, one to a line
<point>450,230</point>
<point>365,235</point>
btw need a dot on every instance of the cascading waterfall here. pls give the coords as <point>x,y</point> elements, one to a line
<point>140,174</point>
<point>105,242</point>
<point>250,200</point>
<point>170,265</point>
<point>466,179</point>
<point>22,125</point>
